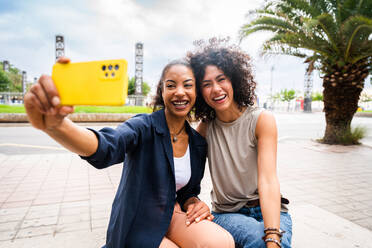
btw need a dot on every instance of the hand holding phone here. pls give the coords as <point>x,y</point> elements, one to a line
<point>92,83</point>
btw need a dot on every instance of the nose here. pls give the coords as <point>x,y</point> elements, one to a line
<point>180,91</point>
<point>216,87</point>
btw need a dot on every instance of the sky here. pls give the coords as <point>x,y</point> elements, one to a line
<point>109,29</point>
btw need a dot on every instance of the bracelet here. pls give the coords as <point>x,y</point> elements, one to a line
<point>273,229</point>
<point>280,234</point>
<point>274,241</point>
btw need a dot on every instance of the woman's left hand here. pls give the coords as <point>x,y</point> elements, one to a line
<point>197,211</point>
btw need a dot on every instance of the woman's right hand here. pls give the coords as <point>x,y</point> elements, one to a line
<point>42,103</point>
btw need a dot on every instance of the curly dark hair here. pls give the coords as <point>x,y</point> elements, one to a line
<point>158,102</point>
<point>233,62</point>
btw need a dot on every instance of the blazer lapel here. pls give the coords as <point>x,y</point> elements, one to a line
<point>161,128</point>
<point>194,153</point>
<point>167,146</point>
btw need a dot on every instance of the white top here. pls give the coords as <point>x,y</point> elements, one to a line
<point>182,169</point>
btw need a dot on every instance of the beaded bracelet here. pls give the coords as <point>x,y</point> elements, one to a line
<point>274,241</point>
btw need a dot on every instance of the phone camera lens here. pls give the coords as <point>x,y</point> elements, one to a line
<point>110,67</point>
<point>103,68</point>
<point>116,67</point>
<point>113,74</point>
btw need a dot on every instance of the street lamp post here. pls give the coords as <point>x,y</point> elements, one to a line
<point>138,76</point>
<point>60,46</point>
<point>5,65</point>
<point>307,91</point>
<point>24,80</point>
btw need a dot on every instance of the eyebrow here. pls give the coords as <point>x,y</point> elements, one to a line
<point>218,76</point>
<point>172,81</point>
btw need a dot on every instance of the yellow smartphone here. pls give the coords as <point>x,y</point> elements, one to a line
<point>92,83</point>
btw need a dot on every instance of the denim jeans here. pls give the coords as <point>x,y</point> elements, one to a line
<point>247,227</point>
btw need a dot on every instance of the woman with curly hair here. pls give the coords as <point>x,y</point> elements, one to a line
<point>242,146</point>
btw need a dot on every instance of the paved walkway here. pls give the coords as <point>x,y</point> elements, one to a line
<point>58,200</point>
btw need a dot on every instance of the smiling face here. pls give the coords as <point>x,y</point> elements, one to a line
<point>217,90</point>
<point>179,92</point>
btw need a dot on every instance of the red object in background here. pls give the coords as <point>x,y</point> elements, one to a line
<point>300,104</point>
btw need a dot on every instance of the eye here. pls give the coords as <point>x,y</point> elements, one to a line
<point>189,85</point>
<point>205,85</point>
<point>221,79</point>
<point>169,86</point>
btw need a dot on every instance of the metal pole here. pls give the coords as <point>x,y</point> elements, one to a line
<point>24,80</point>
<point>307,91</point>
<point>60,46</point>
<point>138,74</point>
<point>5,65</point>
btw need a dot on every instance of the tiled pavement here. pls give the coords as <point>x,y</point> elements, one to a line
<point>59,196</point>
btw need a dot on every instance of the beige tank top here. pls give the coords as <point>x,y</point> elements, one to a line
<point>232,159</point>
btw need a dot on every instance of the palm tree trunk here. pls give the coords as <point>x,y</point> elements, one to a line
<point>341,93</point>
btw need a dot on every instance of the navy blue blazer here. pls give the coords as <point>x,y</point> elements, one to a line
<point>144,202</point>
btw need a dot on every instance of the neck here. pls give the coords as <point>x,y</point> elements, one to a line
<point>175,123</point>
<point>231,114</point>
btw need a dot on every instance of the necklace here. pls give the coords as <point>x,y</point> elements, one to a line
<point>175,135</point>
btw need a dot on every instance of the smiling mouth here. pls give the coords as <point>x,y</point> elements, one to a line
<point>180,104</point>
<point>219,98</point>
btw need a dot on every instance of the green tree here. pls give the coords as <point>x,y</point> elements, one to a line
<point>16,81</point>
<point>13,77</point>
<point>4,81</point>
<point>131,89</point>
<point>287,96</point>
<point>333,37</point>
<point>317,96</point>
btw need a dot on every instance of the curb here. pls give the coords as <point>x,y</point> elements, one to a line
<point>76,117</point>
<point>363,114</point>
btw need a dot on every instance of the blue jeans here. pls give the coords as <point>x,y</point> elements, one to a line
<point>247,227</point>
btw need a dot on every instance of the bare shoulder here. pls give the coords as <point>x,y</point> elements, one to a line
<point>202,128</point>
<point>266,123</point>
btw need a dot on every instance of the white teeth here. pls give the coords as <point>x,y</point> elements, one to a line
<point>219,98</point>
<point>180,103</point>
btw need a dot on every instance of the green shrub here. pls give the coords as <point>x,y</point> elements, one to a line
<point>353,136</point>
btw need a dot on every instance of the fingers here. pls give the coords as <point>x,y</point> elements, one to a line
<point>44,96</point>
<point>38,98</point>
<point>50,90</point>
<point>63,60</point>
<point>65,110</point>
<point>198,212</point>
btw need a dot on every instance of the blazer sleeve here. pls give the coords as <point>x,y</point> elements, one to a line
<point>113,144</point>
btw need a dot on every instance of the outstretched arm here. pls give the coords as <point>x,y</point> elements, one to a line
<point>44,112</point>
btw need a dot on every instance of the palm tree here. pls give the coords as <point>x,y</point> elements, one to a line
<point>333,36</point>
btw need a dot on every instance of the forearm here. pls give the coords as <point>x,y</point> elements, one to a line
<point>75,138</point>
<point>270,207</point>
<point>270,203</point>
